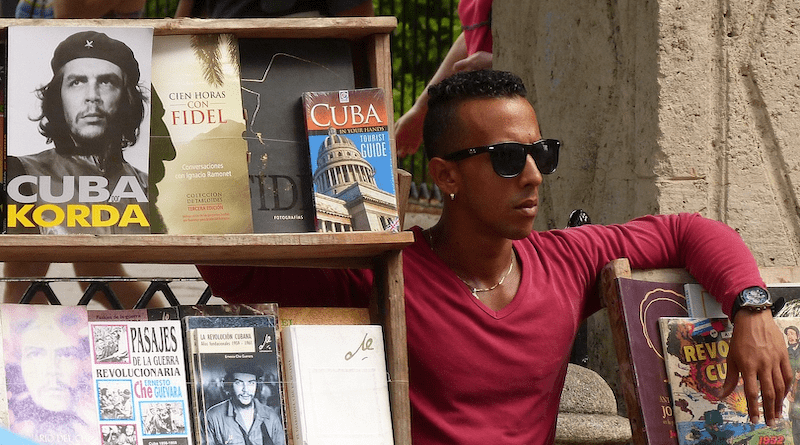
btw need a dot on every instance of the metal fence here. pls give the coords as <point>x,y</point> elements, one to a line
<point>426,29</point>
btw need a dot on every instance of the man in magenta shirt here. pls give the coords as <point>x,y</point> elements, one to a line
<point>492,307</point>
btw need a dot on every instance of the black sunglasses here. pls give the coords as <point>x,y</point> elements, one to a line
<point>508,158</point>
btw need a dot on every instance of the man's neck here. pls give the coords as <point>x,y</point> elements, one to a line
<point>473,252</point>
<point>486,264</point>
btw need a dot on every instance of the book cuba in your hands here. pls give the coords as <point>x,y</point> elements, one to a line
<point>695,352</point>
<point>351,160</point>
<point>78,140</point>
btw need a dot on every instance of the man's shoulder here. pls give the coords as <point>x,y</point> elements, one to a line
<point>42,163</point>
<point>220,409</point>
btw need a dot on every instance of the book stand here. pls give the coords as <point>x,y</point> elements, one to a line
<point>378,251</point>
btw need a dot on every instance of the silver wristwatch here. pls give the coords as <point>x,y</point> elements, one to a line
<point>754,299</point>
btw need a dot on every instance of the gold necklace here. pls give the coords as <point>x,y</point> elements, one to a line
<point>474,290</point>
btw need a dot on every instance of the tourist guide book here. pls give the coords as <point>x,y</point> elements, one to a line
<point>234,362</point>
<point>634,315</point>
<point>337,385</point>
<point>78,162</point>
<point>351,160</point>
<point>48,374</point>
<point>275,73</point>
<point>695,352</point>
<point>140,382</point>
<point>199,165</point>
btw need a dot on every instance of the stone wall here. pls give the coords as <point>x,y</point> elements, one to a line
<point>665,106</point>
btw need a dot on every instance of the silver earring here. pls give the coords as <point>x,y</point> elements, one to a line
<point>452,197</point>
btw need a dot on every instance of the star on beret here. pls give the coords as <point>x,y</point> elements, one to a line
<point>89,44</point>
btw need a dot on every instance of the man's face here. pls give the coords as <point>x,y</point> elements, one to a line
<point>244,388</point>
<point>90,91</point>
<point>504,207</point>
<point>791,337</point>
<point>52,369</point>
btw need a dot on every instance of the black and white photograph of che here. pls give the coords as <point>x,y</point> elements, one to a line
<point>78,138</point>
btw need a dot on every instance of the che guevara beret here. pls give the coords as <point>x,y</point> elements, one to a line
<point>95,45</point>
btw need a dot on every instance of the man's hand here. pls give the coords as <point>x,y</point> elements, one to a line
<point>480,60</point>
<point>408,130</point>
<point>759,354</point>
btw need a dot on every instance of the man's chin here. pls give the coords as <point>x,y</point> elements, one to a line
<point>244,404</point>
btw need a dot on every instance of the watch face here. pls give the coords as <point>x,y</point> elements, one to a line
<point>755,296</point>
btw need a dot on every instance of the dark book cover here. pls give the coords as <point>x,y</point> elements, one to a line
<point>235,357</point>
<point>643,375</point>
<point>275,73</point>
<point>351,160</point>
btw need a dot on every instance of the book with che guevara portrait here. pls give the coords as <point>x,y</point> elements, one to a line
<point>78,139</point>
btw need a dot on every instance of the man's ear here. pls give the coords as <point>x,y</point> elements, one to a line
<point>445,175</point>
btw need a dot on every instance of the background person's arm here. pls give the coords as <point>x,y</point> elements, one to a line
<point>408,128</point>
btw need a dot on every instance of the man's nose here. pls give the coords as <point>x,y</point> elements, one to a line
<point>93,92</point>
<point>530,173</point>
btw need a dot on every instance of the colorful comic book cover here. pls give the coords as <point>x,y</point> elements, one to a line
<point>695,352</point>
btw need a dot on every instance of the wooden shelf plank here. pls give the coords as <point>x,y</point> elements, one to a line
<point>296,28</point>
<point>311,249</point>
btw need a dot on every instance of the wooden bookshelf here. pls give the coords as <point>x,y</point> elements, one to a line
<point>378,251</point>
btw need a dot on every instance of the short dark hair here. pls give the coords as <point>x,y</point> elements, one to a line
<point>125,123</point>
<point>244,367</point>
<point>444,98</point>
<point>793,328</point>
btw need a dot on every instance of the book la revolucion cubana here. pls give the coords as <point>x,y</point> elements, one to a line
<point>695,353</point>
<point>351,160</point>
<point>78,140</point>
